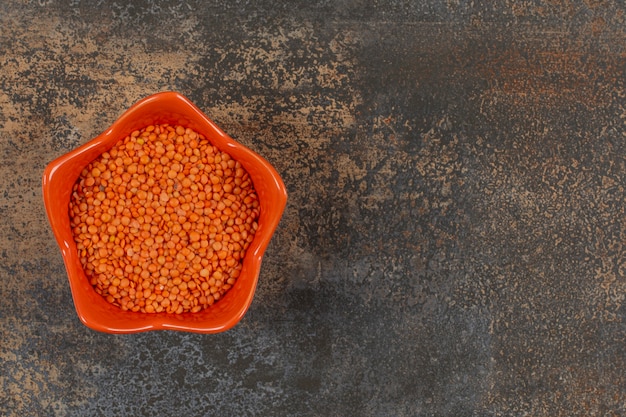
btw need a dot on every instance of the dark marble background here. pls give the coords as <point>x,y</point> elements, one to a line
<point>455,239</point>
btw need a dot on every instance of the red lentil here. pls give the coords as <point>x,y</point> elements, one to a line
<point>162,221</point>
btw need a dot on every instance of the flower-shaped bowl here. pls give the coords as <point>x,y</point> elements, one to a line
<point>61,174</point>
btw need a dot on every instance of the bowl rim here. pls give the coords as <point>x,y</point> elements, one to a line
<point>274,191</point>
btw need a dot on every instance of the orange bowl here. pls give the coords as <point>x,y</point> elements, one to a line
<point>61,174</point>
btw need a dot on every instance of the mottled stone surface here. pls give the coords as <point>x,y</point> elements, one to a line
<point>455,238</point>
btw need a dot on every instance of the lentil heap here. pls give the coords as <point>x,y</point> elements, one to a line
<point>162,221</point>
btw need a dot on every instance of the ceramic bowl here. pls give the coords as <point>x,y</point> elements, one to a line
<point>61,174</point>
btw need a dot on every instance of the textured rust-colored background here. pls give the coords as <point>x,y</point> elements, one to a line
<point>455,239</point>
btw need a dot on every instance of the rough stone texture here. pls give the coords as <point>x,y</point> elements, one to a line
<point>455,239</point>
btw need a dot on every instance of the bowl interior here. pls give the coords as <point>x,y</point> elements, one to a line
<point>61,174</point>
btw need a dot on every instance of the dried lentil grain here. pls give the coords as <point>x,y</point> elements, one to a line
<point>162,221</point>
